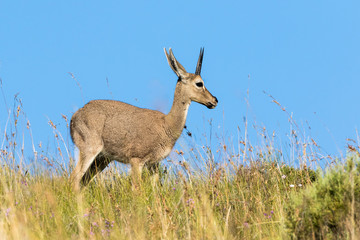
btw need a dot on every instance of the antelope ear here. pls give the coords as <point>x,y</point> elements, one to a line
<point>178,69</point>
<point>199,63</point>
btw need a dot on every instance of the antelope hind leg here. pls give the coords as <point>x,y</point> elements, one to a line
<point>86,158</point>
<point>99,164</point>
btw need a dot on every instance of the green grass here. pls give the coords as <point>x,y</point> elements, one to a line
<point>253,192</point>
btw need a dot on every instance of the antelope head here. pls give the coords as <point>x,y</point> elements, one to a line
<point>192,85</point>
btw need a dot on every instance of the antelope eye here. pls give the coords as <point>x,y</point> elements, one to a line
<point>199,84</point>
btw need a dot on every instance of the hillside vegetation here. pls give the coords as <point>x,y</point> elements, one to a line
<point>237,191</point>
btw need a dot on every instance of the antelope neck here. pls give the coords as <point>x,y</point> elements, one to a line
<point>176,118</point>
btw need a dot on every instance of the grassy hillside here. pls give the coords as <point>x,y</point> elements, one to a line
<point>248,192</point>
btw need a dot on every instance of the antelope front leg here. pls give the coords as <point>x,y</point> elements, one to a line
<point>154,172</point>
<point>136,169</point>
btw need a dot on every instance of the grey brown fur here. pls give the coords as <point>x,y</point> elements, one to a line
<point>106,130</point>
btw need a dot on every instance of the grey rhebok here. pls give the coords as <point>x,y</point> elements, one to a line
<point>106,130</point>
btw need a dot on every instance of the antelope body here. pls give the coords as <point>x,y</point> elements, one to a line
<point>106,130</point>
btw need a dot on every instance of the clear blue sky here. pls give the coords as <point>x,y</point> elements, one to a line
<point>304,53</point>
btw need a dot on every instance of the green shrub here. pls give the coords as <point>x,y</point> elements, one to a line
<point>329,208</point>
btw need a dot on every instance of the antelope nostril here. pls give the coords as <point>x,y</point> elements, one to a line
<point>216,99</point>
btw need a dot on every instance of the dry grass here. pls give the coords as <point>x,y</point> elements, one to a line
<point>243,194</point>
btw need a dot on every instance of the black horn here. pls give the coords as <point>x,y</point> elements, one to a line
<point>199,63</point>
